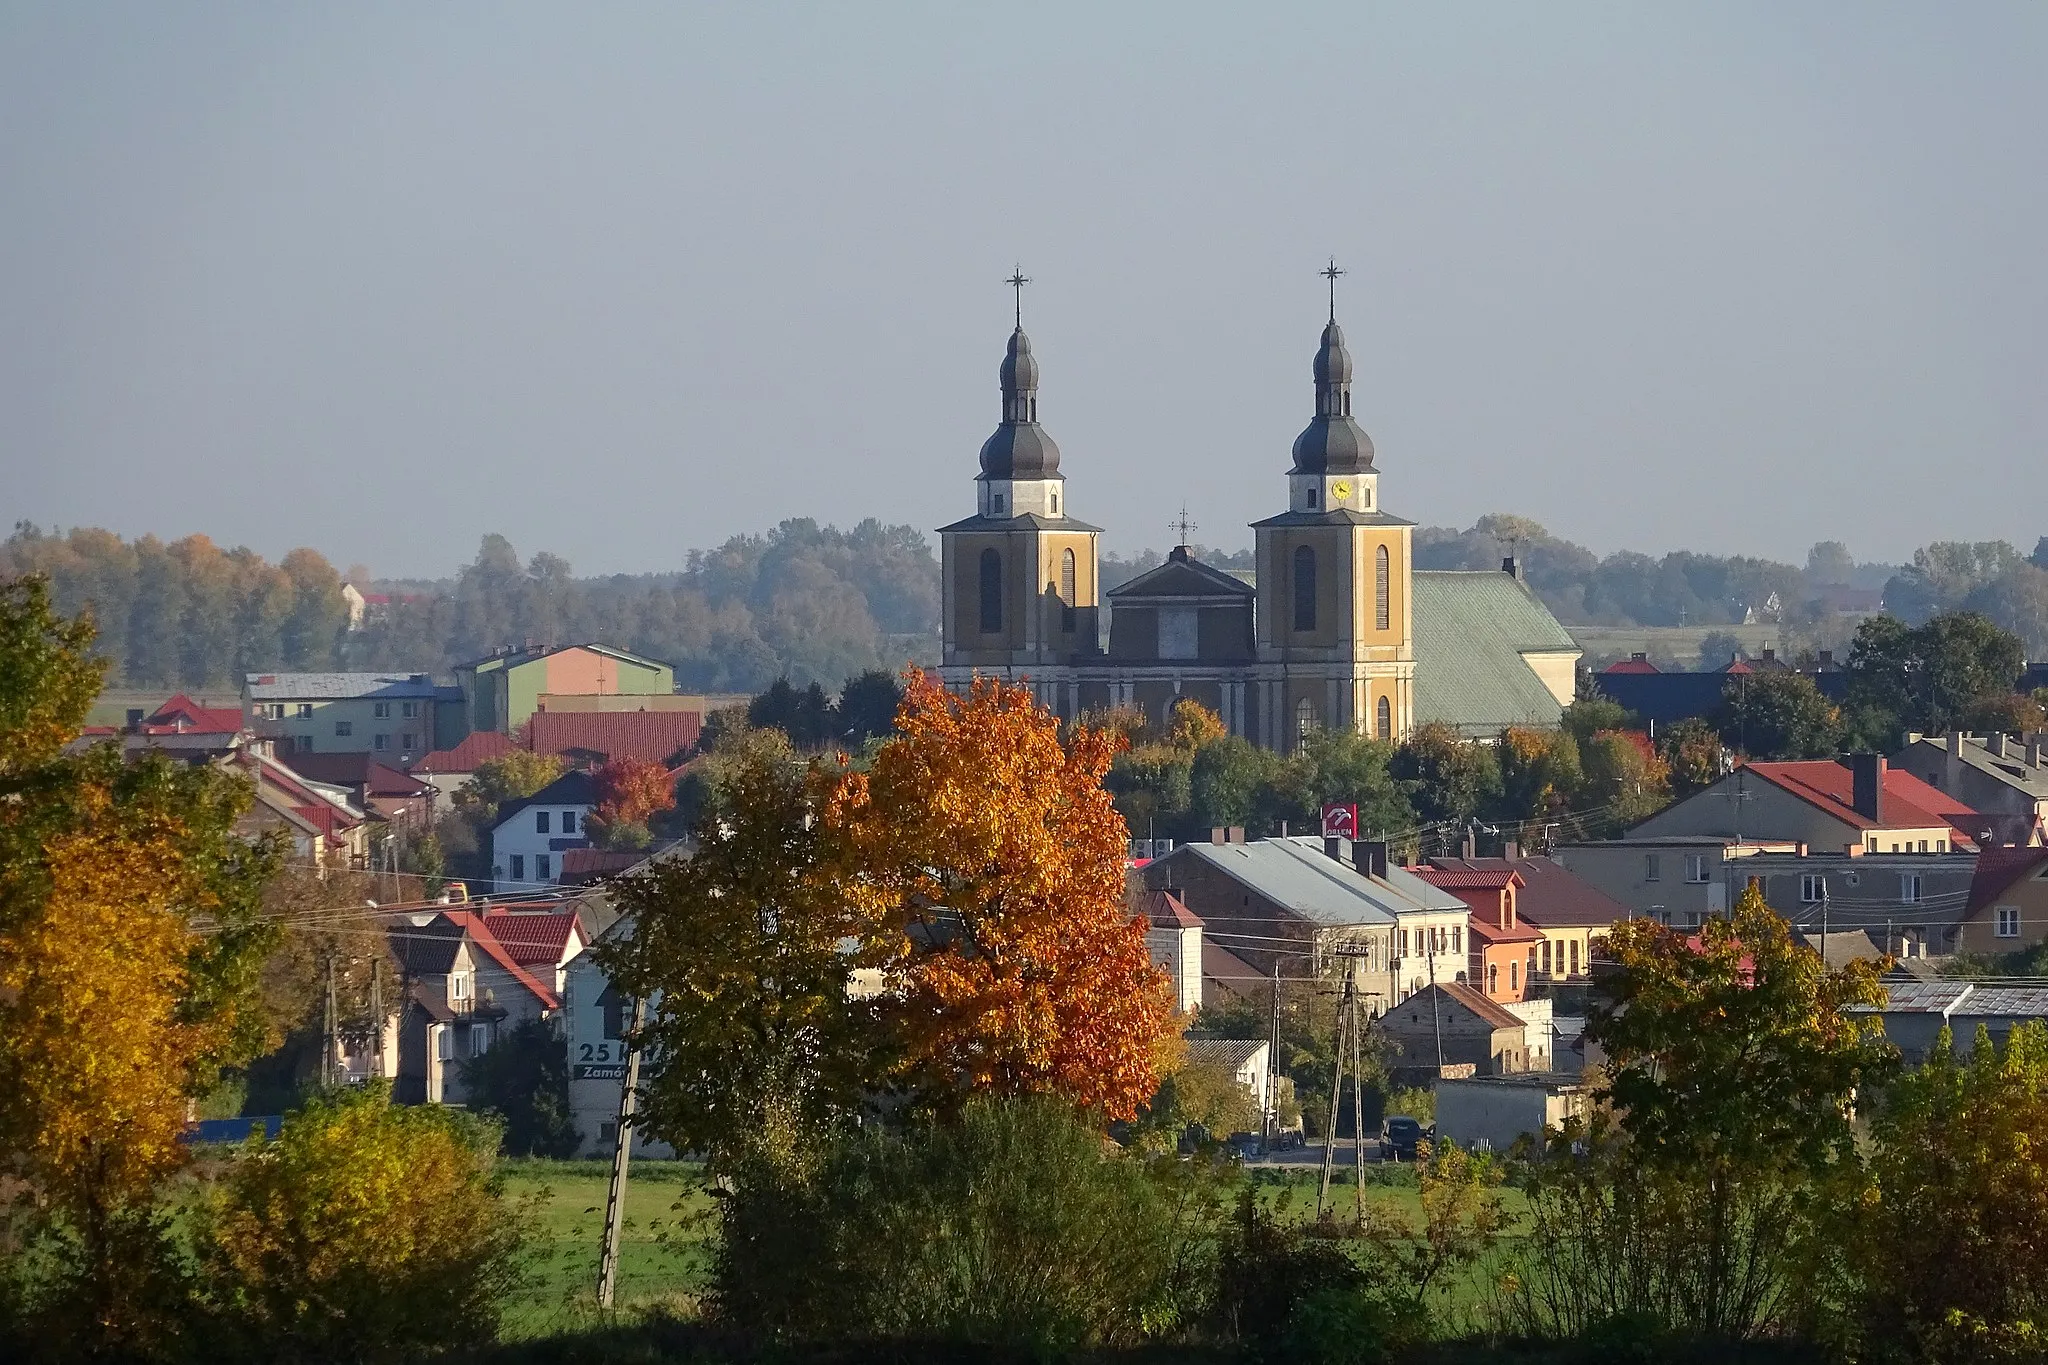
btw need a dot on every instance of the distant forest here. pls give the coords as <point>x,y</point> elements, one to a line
<point>817,604</point>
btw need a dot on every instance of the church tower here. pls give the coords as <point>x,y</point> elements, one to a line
<point>1336,638</point>
<point>1019,576</point>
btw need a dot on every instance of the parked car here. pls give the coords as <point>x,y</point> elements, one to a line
<point>1248,1146</point>
<point>1401,1136</point>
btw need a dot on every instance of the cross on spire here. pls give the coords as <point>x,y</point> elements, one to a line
<point>1018,279</point>
<point>1330,272</point>
<point>1181,526</point>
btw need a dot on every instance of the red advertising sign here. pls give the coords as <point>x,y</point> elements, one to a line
<point>1339,822</point>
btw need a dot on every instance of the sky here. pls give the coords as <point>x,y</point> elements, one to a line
<point>618,280</point>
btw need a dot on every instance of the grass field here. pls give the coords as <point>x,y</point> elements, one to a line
<point>1666,642</point>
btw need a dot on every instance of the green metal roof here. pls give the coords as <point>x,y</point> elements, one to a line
<point>1471,631</point>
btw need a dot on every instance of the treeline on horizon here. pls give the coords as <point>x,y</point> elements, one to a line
<point>814,603</point>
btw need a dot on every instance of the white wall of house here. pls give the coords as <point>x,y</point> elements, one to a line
<point>1178,953</point>
<point>597,1062</point>
<point>527,845</point>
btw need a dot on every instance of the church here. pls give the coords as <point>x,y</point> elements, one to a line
<point>1336,628</point>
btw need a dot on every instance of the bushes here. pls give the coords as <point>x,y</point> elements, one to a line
<point>523,1083</point>
<point>364,1232</point>
<point>1011,1227</point>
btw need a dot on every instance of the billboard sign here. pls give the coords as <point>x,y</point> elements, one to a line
<point>1339,821</point>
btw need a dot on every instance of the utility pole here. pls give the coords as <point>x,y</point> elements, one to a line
<point>1358,1102</point>
<point>377,1015</point>
<point>1336,1093</point>
<point>1823,924</point>
<point>330,1035</point>
<point>622,1152</point>
<point>1273,1064</point>
<point>1436,1021</point>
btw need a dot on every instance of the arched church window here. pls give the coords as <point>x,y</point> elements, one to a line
<point>1304,722</point>
<point>1067,590</point>
<point>1304,588</point>
<point>1383,719</point>
<point>991,592</point>
<point>1382,592</point>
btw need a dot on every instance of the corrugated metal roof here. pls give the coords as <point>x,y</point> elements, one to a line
<point>1295,873</point>
<point>1229,1053</point>
<point>338,686</point>
<point>1471,631</point>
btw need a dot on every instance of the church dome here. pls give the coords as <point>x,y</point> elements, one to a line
<point>1020,449</point>
<point>1333,443</point>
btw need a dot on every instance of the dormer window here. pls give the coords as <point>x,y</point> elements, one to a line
<point>458,986</point>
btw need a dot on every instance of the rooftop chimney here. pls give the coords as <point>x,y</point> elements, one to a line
<point>1770,655</point>
<point>1471,849</point>
<point>1236,834</point>
<point>1219,835</point>
<point>2034,754</point>
<point>1955,744</point>
<point>1994,743</point>
<point>1369,856</point>
<point>1511,849</point>
<point>1639,657</point>
<point>1867,785</point>
<point>1827,660</point>
<point>1333,847</point>
<point>1512,569</point>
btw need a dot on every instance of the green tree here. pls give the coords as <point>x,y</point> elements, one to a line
<point>1345,767</point>
<point>1692,755</point>
<point>509,777</point>
<point>866,708</point>
<point>1227,783</point>
<point>1590,713</point>
<point>523,1083</point>
<point>1447,777</point>
<point>1625,776</point>
<point>1777,716</point>
<point>1540,772</point>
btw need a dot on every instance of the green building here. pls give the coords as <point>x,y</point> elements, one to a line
<point>503,691</point>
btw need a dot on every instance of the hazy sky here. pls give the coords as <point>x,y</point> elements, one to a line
<point>622,280</point>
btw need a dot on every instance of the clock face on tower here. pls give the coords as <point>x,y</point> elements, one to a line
<point>1340,490</point>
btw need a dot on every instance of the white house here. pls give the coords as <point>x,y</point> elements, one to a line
<point>1247,1061</point>
<point>596,1019</point>
<point>464,989</point>
<point>530,836</point>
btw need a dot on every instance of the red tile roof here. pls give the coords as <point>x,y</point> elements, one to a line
<point>656,736</point>
<point>1632,666</point>
<point>583,865</point>
<point>477,749</point>
<point>1164,910</point>
<point>533,939</point>
<point>1550,896</point>
<point>480,934</point>
<point>182,715</point>
<point>1909,803</point>
<point>1486,931</point>
<point>1469,878</point>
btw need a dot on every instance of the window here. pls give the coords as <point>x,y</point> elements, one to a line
<point>382,742</point>
<point>344,728</point>
<point>568,822</point>
<point>1575,957</point>
<point>1696,867</point>
<point>614,1007</point>
<point>1304,721</point>
<point>540,822</point>
<point>2008,921</point>
<point>1812,889</point>
<point>543,867</point>
<point>479,1039</point>
<point>1909,888</point>
<point>1923,845</point>
<point>1055,504</point>
<point>1653,869</point>
<point>1382,591</point>
<point>1304,588</point>
<point>1546,955</point>
<point>408,709</point>
<point>1179,632</point>
<point>1514,976</point>
<point>305,710</point>
<point>1067,588</point>
<point>991,592</point>
<point>1941,845</point>
<point>458,985</point>
<point>1311,497</point>
<point>405,741</point>
<point>995,503</point>
<point>519,867</point>
<point>1458,939</point>
<point>303,743</point>
<point>444,1046</point>
<point>381,710</point>
<point>275,710</point>
<point>1493,978</point>
<point>1383,719</point>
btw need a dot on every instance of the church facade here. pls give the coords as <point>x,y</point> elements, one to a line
<point>1336,630</point>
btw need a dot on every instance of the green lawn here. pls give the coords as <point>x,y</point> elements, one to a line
<point>660,1253</point>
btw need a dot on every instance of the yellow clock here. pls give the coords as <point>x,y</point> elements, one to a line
<point>1340,490</point>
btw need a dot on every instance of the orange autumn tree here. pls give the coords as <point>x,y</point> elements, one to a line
<point>630,792</point>
<point>990,859</point>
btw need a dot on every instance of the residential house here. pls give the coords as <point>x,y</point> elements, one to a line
<point>531,835</point>
<point>398,717</point>
<point>596,1018</point>
<point>544,941</point>
<point>378,788</point>
<point>502,691</point>
<point>1452,1025</point>
<point>1569,912</point>
<point>462,989</point>
<point>589,739</point>
<point>326,831</point>
<point>1246,1061</point>
<point>1228,978</point>
<point>1174,940</point>
<point>2007,909</point>
<point>1860,802</point>
<point>1916,1012</point>
<point>2004,778</point>
<point>1319,907</point>
<point>1503,949</point>
<point>450,769</point>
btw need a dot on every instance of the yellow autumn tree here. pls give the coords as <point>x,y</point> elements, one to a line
<point>131,943</point>
<point>988,857</point>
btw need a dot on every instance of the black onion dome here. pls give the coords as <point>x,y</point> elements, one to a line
<point>1333,443</point>
<point>1020,449</point>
